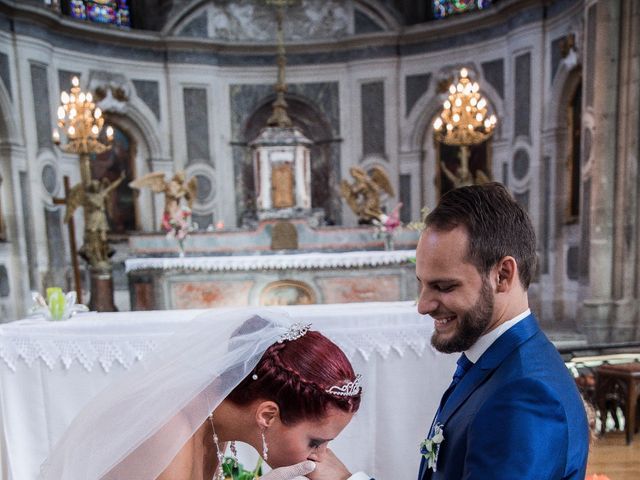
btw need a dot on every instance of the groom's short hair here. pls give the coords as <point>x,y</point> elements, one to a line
<point>496,224</point>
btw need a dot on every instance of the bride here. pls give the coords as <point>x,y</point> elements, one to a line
<point>251,376</point>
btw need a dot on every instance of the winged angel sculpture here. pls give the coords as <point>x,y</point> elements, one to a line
<point>93,198</point>
<point>175,190</point>
<point>364,194</point>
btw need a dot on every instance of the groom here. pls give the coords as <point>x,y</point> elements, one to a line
<point>512,410</point>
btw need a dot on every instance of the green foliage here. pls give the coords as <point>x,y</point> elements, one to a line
<point>235,471</point>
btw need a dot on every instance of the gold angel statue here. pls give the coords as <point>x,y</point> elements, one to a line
<point>175,190</point>
<point>93,198</point>
<point>364,194</point>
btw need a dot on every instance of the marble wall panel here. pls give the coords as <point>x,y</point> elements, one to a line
<point>505,174</point>
<point>405,198</point>
<point>547,214</point>
<point>556,56</point>
<point>585,232</point>
<point>522,111</point>
<point>573,263</point>
<point>196,122</point>
<point>377,288</point>
<point>372,118</point>
<point>590,54</point>
<point>149,93</point>
<point>40,89</point>
<point>208,294</point>
<point>55,240</point>
<point>4,282</point>
<point>5,73</point>
<point>27,216</point>
<point>415,86</point>
<point>493,72</point>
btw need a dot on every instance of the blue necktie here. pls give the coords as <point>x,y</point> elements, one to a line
<point>464,364</point>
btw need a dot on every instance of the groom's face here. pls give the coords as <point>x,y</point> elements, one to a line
<point>452,291</point>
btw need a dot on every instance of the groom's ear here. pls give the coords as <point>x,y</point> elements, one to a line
<point>507,274</point>
<point>266,413</point>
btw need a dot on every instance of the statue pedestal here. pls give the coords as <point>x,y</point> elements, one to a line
<point>101,290</point>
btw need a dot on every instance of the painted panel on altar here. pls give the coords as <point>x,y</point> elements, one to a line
<point>202,294</point>
<point>287,292</point>
<point>375,288</point>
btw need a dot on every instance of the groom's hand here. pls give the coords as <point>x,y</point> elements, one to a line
<point>293,472</point>
<point>329,467</point>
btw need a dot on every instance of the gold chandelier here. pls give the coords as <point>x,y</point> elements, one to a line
<point>463,119</point>
<point>81,121</point>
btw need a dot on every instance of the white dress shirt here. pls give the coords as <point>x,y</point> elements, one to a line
<point>485,341</point>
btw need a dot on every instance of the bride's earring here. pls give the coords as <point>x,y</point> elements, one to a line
<point>265,447</point>
<point>219,475</point>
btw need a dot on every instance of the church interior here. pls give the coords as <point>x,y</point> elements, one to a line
<point>168,155</point>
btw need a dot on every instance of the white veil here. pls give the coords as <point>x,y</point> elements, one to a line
<point>135,427</point>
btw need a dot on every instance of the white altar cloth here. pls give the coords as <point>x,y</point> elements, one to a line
<point>295,261</point>
<point>50,370</point>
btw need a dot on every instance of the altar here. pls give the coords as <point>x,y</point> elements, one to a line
<point>50,370</point>
<point>279,279</point>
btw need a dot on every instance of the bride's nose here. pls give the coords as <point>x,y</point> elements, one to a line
<point>318,453</point>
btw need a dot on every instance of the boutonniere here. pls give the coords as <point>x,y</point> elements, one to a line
<point>430,447</point>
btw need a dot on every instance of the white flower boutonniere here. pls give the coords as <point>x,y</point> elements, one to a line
<point>430,447</point>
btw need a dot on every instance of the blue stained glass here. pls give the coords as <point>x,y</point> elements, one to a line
<point>445,8</point>
<point>115,12</point>
<point>78,9</point>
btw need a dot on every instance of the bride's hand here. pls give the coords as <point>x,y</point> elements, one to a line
<point>293,472</point>
<point>329,467</point>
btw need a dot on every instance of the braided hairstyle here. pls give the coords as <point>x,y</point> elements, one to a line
<point>295,375</point>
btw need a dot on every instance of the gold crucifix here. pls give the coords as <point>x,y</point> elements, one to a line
<point>280,117</point>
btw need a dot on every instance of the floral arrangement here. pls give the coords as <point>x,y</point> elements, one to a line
<point>430,447</point>
<point>178,226</point>
<point>57,306</point>
<point>387,225</point>
<point>232,470</point>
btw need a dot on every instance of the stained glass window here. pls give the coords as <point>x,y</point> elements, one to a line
<point>115,12</point>
<point>445,8</point>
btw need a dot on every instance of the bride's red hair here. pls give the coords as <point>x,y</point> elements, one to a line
<point>296,374</point>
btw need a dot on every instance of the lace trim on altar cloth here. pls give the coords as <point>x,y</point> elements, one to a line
<point>86,352</point>
<point>90,352</point>
<point>274,262</point>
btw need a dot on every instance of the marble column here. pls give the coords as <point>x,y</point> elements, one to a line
<point>609,307</point>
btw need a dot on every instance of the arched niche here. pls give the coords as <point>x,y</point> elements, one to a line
<point>144,149</point>
<point>324,160</point>
<point>417,137</point>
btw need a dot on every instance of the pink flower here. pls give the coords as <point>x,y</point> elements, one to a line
<point>393,220</point>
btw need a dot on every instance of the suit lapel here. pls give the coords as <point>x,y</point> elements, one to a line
<point>488,362</point>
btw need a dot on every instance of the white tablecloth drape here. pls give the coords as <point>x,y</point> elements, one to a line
<point>50,370</point>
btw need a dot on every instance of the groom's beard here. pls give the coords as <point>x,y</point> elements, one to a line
<point>471,325</point>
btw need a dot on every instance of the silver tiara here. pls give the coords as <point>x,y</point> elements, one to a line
<point>350,389</point>
<point>295,331</point>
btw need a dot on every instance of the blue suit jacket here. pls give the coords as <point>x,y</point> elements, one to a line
<point>515,415</point>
